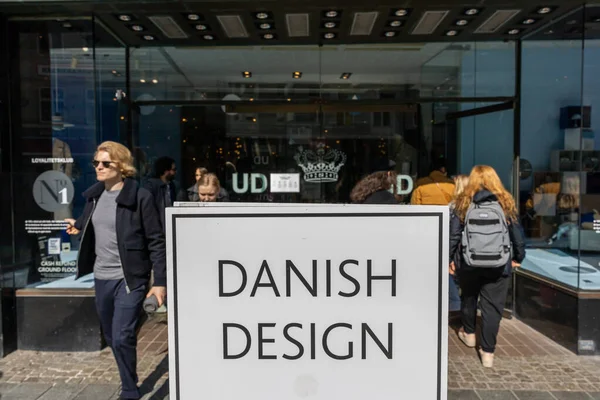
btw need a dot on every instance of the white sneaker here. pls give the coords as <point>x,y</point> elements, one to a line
<point>469,339</point>
<point>487,359</point>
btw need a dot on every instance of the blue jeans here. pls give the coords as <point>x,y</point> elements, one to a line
<point>119,314</point>
<point>454,300</point>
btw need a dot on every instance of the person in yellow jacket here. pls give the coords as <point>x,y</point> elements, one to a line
<point>435,189</point>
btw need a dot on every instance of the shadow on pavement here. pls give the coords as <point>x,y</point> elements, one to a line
<point>149,383</point>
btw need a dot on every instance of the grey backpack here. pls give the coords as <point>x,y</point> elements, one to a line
<point>485,239</point>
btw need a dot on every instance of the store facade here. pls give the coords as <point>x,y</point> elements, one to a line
<point>259,94</point>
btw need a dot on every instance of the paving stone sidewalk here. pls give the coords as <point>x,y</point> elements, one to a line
<point>528,366</point>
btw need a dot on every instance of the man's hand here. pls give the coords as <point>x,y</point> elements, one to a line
<point>515,264</point>
<point>160,292</point>
<point>452,268</point>
<point>71,230</point>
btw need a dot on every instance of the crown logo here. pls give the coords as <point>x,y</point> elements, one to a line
<point>322,165</point>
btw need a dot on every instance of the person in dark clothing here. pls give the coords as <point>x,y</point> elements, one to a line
<point>162,186</point>
<point>191,194</point>
<point>375,189</point>
<point>122,241</point>
<point>488,285</point>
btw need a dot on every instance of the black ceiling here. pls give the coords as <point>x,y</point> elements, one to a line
<point>109,12</point>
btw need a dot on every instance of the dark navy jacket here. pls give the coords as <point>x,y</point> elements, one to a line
<point>517,238</point>
<point>140,235</point>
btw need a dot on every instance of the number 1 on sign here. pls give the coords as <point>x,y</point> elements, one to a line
<point>63,193</point>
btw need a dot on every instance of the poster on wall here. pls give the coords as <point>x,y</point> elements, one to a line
<point>53,192</point>
<point>295,301</point>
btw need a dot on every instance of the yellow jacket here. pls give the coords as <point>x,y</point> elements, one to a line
<point>435,189</point>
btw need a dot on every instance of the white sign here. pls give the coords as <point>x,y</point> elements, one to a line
<point>322,302</point>
<point>285,183</point>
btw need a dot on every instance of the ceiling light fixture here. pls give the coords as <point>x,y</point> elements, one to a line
<point>265,26</point>
<point>297,75</point>
<point>461,22</point>
<point>262,15</point>
<point>155,81</point>
<point>85,49</point>
<point>142,80</point>
<point>137,28</point>
<point>208,37</point>
<point>544,10</point>
<point>472,11</point>
<point>529,21</point>
<point>452,32</point>
<point>201,27</point>
<point>401,12</point>
<point>67,25</point>
<point>390,34</point>
<point>329,35</point>
<point>395,24</point>
<point>268,36</point>
<point>193,17</point>
<point>125,17</point>
<point>149,38</point>
<point>346,75</point>
<point>331,14</point>
<point>514,31</point>
<point>247,74</point>
<point>329,25</point>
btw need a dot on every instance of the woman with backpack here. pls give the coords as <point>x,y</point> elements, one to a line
<point>485,228</point>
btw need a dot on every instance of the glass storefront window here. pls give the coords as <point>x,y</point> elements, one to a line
<point>560,152</point>
<point>67,107</point>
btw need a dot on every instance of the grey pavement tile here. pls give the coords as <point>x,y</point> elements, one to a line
<point>7,387</point>
<point>532,395</point>
<point>595,395</point>
<point>571,395</point>
<point>27,391</point>
<point>496,395</point>
<point>97,392</point>
<point>462,395</point>
<point>62,392</point>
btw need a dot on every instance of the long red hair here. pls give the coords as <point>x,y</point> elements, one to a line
<point>484,177</point>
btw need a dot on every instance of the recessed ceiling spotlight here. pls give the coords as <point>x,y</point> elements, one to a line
<point>137,28</point>
<point>268,36</point>
<point>329,25</point>
<point>85,49</point>
<point>331,14</point>
<point>193,17</point>
<point>125,17</point>
<point>452,33</point>
<point>544,10</point>
<point>597,20</point>
<point>265,26</point>
<point>67,25</point>
<point>114,71</point>
<point>247,74</point>
<point>201,27</point>
<point>462,22</point>
<point>390,34</point>
<point>572,22</point>
<point>395,24</point>
<point>472,11</point>
<point>262,15</point>
<point>329,35</point>
<point>142,80</point>
<point>549,32</point>
<point>528,21</point>
<point>155,81</point>
<point>514,31</point>
<point>297,75</point>
<point>208,37</point>
<point>346,75</point>
<point>401,12</point>
<point>149,38</point>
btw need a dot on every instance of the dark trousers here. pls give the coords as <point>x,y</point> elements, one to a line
<point>489,286</point>
<point>119,314</point>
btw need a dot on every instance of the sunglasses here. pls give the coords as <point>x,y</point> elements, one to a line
<point>105,164</point>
